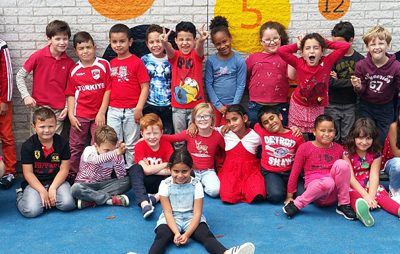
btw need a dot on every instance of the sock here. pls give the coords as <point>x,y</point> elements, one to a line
<point>109,201</point>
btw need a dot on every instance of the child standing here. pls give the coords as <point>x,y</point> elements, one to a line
<point>88,93</point>
<point>6,135</point>
<point>225,71</point>
<point>279,146</point>
<point>313,71</point>
<point>362,145</point>
<point>45,165</point>
<point>151,163</point>
<point>377,79</point>
<point>268,73</point>
<point>342,98</point>
<point>159,69</point>
<point>129,90</point>
<point>94,183</point>
<point>51,67</point>
<point>181,197</point>
<point>327,176</point>
<point>187,72</point>
<point>203,147</point>
<point>241,180</point>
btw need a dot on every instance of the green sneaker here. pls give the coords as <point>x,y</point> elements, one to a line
<point>363,213</point>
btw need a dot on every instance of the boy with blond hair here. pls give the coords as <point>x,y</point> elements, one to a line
<point>151,163</point>
<point>50,67</point>
<point>94,184</point>
<point>377,79</point>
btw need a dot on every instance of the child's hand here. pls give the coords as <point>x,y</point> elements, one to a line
<point>100,119</point>
<point>44,196</point>
<point>296,131</point>
<point>137,115</point>
<point>29,101</point>
<point>287,200</point>
<point>164,36</point>
<point>75,123</point>
<point>121,148</point>
<point>356,82</point>
<point>372,204</point>
<point>177,239</point>
<point>52,196</point>
<point>192,130</point>
<point>223,109</point>
<point>63,115</point>
<point>225,129</point>
<point>299,38</point>
<point>183,239</point>
<point>333,75</point>
<point>203,34</point>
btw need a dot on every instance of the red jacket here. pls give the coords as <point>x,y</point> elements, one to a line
<point>6,73</point>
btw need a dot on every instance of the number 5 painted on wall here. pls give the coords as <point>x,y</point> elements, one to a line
<point>257,12</point>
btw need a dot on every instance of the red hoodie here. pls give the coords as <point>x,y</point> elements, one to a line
<point>6,73</point>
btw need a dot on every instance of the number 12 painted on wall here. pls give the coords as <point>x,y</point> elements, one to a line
<point>333,9</point>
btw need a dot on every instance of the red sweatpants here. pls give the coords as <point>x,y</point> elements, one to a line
<point>7,141</point>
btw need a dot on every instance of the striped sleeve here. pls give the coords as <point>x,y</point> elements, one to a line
<point>6,73</point>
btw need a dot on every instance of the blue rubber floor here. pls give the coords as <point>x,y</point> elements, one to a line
<point>110,229</point>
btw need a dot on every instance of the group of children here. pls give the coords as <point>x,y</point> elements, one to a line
<point>162,93</point>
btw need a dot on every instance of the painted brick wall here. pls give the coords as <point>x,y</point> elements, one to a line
<point>23,22</point>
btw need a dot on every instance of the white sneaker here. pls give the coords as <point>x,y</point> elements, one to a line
<point>246,248</point>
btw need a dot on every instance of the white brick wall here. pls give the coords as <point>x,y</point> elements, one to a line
<point>23,22</point>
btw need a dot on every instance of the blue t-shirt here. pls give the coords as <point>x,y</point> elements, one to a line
<point>159,70</point>
<point>225,79</point>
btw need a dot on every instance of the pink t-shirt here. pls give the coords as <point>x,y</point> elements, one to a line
<point>144,152</point>
<point>87,85</point>
<point>127,75</point>
<point>187,80</point>
<point>316,162</point>
<point>50,77</point>
<point>278,150</point>
<point>202,149</point>
<point>267,78</point>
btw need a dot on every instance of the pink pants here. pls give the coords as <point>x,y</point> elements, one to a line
<point>328,190</point>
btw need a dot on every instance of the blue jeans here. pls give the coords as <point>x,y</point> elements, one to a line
<point>392,168</point>
<point>209,180</point>
<point>181,119</point>
<point>128,131</point>
<point>254,107</point>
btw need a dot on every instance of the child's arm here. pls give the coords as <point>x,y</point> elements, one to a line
<point>169,217</point>
<point>32,180</point>
<point>158,169</point>
<point>101,115</point>
<point>339,50</point>
<point>358,80</point>
<point>21,85</point>
<point>299,161</point>
<point>58,180</point>
<point>166,44</point>
<point>71,108</point>
<point>179,137</point>
<point>291,72</point>
<point>240,81</point>
<point>197,211</point>
<point>209,78</point>
<point>286,53</point>
<point>144,93</point>
<point>200,42</point>
<point>374,178</point>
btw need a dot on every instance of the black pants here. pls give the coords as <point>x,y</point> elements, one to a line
<point>276,186</point>
<point>202,234</point>
<point>142,184</point>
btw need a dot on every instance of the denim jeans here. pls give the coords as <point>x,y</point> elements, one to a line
<point>392,168</point>
<point>128,131</point>
<point>209,180</point>
<point>181,119</point>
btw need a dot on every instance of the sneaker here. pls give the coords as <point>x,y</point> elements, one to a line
<point>121,200</point>
<point>80,204</point>
<point>290,209</point>
<point>147,210</point>
<point>7,181</point>
<point>19,190</point>
<point>363,213</point>
<point>346,211</point>
<point>153,200</point>
<point>246,248</point>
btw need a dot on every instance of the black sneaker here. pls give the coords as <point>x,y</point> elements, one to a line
<point>347,212</point>
<point>290,209</point>
<point>7,181</point>
<point>147,210</point>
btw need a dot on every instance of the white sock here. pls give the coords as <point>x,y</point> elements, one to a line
<point>109,201</point>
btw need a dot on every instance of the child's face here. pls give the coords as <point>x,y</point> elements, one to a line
<point>236,122</point>
<point>324,133</point>
<point>377,48</point>
<point>222,43</point>
<point>185,42</point>
<point>180,173</point>
<point>272,122</point>
<point>363,143</point>
<point>270,41</point>
<point>86,52</point>
<point>58,43</point>
<point>203,120</point>
<point>154,44</point>
<point>152,135</point>
<point>312,52</point>
<point>120,43</point>
<point>105,147</point>
<point>45,129</point>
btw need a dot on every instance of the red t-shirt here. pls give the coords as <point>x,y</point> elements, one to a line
<point>50,77</point>
<point>187,80</point>
<point>87,85</point>
<point>144,152</point>
<point>278,150</point>
<point>127,75</point>
<point>202,149</point>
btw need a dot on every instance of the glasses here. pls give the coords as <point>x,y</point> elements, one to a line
<point>269,41</point>
<point>203,117</point>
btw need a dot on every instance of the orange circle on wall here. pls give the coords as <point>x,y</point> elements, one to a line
<point>333,9</point>
<point>121,9</point>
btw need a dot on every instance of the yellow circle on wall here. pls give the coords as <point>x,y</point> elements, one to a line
<point>121,9</point>
<point>246,16</point>
<point>333,9</point>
